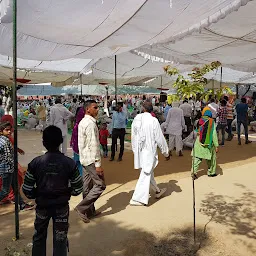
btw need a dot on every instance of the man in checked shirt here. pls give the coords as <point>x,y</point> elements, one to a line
<point>89,153</point>
<point>222,122</point>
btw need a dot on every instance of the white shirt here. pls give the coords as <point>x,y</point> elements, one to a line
<point>214,109</point>
<point>198,106</point>
<point>146,137</point>
<point>88,142</point>
<point>59,115</point>
<point>187,109</point>
<point>113,103</point>
<point>175,122</point>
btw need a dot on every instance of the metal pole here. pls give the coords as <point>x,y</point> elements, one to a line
<point>194,207</point>
<point>221,77</point>
<point>115,82</point>
<point>14,110</point>
<point>193,180</point>
<point>81,83</point>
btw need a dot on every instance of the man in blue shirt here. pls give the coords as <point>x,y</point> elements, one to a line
<point>166,110</point>
<point>242,118</point>
<point>118,131</point>
<point>1,109</point>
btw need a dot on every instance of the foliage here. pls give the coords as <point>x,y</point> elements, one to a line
<point>12,251</point>
<point>172,98</point>
<point>195,84</point>
<point>225,90</point>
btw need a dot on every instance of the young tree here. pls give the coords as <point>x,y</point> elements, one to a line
<point>195,83</point>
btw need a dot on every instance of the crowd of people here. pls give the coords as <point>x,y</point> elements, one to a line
<point>51,179</point>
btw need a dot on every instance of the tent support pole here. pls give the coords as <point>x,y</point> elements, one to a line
<point>81,84</point>
<point>14,110</point>
<point>115,81</point>
<point>237,91</point>
<point>221,73</point>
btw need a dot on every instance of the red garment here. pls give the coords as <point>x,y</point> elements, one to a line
<point>104,137</point>
<point>153,114</point>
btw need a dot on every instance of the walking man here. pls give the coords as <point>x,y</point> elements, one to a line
<point>174,125</point>
<point>187,112</point>
<point>230,118</point>
<point>242,118</point>
<point>59,116</point>
<point>214,108</point>
<point>89,153</point>
<point>222,122</point>
<point>118,131</point>
<point>146,137</point>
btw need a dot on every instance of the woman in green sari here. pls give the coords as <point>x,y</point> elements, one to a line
<point>206,144</point>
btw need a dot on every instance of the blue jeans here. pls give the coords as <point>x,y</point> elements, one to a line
<point>105,150</point>
<point>222,127</point>
<point>7,182</point>
<point>77,160</point>
<point>59,216</point>
<point>229,129</point>
<point>245,124</point>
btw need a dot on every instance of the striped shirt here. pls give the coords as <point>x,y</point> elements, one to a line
<point>6,156</point>
<point>230,111</point>
<point>88,142</point>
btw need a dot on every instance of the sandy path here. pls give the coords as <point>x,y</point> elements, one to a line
<point>225,209</point>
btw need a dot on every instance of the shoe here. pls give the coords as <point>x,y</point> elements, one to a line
<point>221,144</point>
<point>170,153</point>
<point>119,159</point>
<point>135,203</point>
<point>248,142</point>
<point>161,193</point>
<point>180,153</point>
<point>82,216</point>
<point>95,214</point>
<point>26,207</point>
<point>111,159</point>
<point>213,175</point>
<point>230,138</point>
<point>239,143</point>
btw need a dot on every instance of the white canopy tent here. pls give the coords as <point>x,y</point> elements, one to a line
<point>232,41</point>
<point>64,29</point>
<point>131,69</point>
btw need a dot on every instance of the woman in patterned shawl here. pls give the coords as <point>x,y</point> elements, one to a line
<point>206,145</point>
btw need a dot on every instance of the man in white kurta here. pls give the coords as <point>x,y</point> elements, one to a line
<point>173,126</point>
<point>59,116</point>
<point>146,137</point>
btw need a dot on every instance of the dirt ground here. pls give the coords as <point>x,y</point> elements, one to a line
<point>225,209</point>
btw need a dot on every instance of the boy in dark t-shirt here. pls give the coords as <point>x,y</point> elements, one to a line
<point>51,179</point>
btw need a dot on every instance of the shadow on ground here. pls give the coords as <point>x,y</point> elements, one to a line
<point>105,238</point>
<point>120,201</point>
<point>238,214</point>
<point>230,155</point>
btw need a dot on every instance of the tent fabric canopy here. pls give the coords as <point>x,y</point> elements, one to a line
<point>131,70</point>
<point>68,65</point>
<point>64,29</point>
<point>231,40</point>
